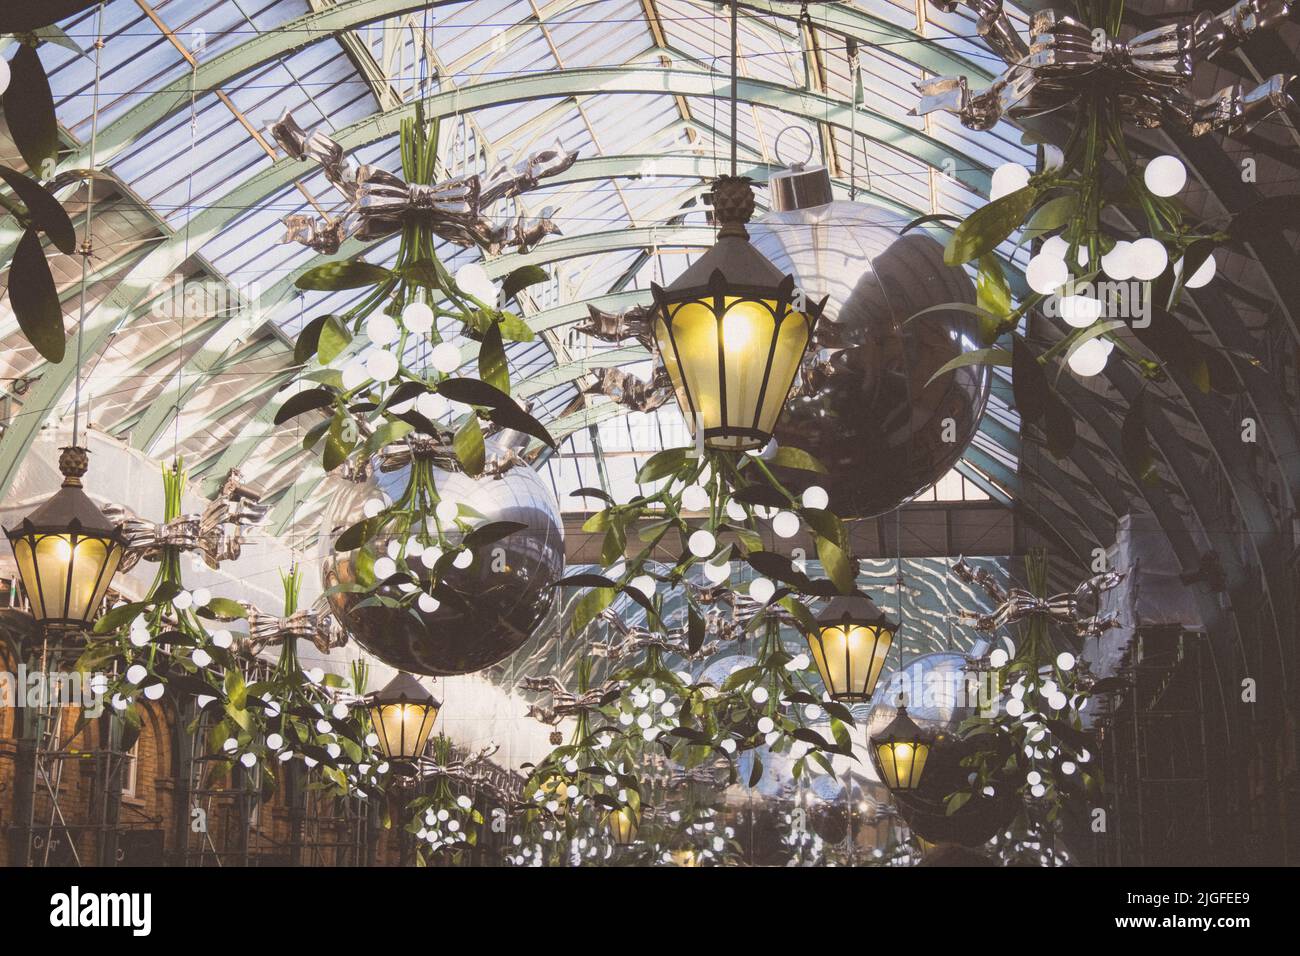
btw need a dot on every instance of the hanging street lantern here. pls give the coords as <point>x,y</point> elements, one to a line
<point>849,647</point>
<point>67,551</point>
<point>731,331</point>
<point>622,825</point>
<point>900,752</point>
<point>402,715</point>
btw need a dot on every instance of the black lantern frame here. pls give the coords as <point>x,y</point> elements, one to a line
<point>403,715</point>
<point>623,826</point>
<point>67,551</point>
<point>850,645</point>
<point>732,385</point>
<point>901,751</point>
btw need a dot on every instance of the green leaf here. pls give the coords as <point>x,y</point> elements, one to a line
<point>334,338</point>
<point>491,532</point>
<point>492,366</point>
<point>987,227</point>
<point>1135,445</point>
<point>45,212</point>
<point>836,564</point>
<point>223,609</point>
<point>386,434</point>
<point>118,617</point>
<point>957,800</point>
<point>349,274</point>
<point>355,536</point>
<point>586,608</point>
<point>756,771</point>
<point>661,465</point>
<point>515,329</point>
<point>1051,215</point>
<point>308,339</point>
<point>29,111</point>
<point>303,402</point>
<point>787,457</point>
<point>428,273</point>
<point>989,356</point>
<point>35,299</point>
<point>520,279</point>
<point>469,445</point>
<point>992,293</point>
<point>337,447</point>
<point>933,218</point>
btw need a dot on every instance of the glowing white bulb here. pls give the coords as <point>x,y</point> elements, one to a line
<point>1079,311</point>
<point>1007,178</point>
<point>1045,274</point>
<point>202,596</point>
<point>355,374</point>
<point>1038,790</point>
<point>1149,258</point>
<point>695,498</point>
<point>1118,263</point>
<point>765,725</point>
<point>463,559</point>
<point>445,357</point>
<point>1088,358</point>
<point>1067,767</point>
<point>735,511</point>
<point>728,746</point>
<point>431,405</point>
<point>760,696</point>
<point>183,601</point>
<point>139,638</point>
<point>786,524</point>
<point>372,507</point>
<point>474,280</point>
<point>1065,661</point>
<point>155,691</point>
<point>381,329</point>
<point>417,317</point>
<point>1165,175</point>
<point>1056,247</point>
<point>717,573</point>
<point>815,496</point>
<point>998,658</point>
<point>761,590</point>
<point>1201,276</point>
<point>643,583</point>
<point>136,673</point>
<point>428,603</point>
<point>381,365</point>
<point>702,543</point>
<point>1057,701</point>
<point>447,511</point>
<point>200,657</point>
<point>340,711</point>
<point>1015,707</point>
<point>385,568</point>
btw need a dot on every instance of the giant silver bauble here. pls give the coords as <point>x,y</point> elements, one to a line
<point>509,590</point>
<point>883,434</point>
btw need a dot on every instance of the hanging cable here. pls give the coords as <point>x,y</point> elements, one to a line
<point>88,241</point>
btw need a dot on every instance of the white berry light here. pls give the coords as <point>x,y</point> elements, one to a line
<point>1007,178</point>
<point>418,318</point>
<point>1149,258</point>
<point>1165,175</point>
<point>1118,263</point>
<point>445,357</point>
<point>702,543</point>
<point>1089,358</point>
<point>1079,311</point>
<point>695,498</point>
<point>815,496</point>
<point>786,524</point>
<point>761,590</point>
<point>381,365</point>
<point>473,279</point>
<point>1046,274</point>
<point>1201,276</point>
<point>381,329</point>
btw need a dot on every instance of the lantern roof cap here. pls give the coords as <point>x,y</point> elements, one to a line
<point>903,728</point>
<point>404,689</point>
<point>857,608</point>
<point>69,508</point>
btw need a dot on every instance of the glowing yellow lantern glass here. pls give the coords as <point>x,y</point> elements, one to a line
<point>850,645</point>
<point>731,331</point>
<point>402,715</point>
<point>67,552</point>
<point>622,825</point>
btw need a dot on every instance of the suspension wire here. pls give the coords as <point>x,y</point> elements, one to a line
<point>735,69</point>
<point>88,240</point>
<point>189,188</point>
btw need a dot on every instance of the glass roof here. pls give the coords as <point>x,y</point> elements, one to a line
<point>189,87</point>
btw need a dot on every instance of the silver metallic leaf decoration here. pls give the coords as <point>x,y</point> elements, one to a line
<point>1149,74</point>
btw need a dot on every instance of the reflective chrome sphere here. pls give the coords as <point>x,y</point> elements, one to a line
<point>508,585</point>
<point>864,409</point>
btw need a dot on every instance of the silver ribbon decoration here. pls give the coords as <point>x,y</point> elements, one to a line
<point>216,535</point>
<point>1017,603</point>
<point>1150,72</point>
<point>316,625</point>
<point>564,703</point>
<point>626,389</point>
<point>615,327</point>
<point>379,202</point>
